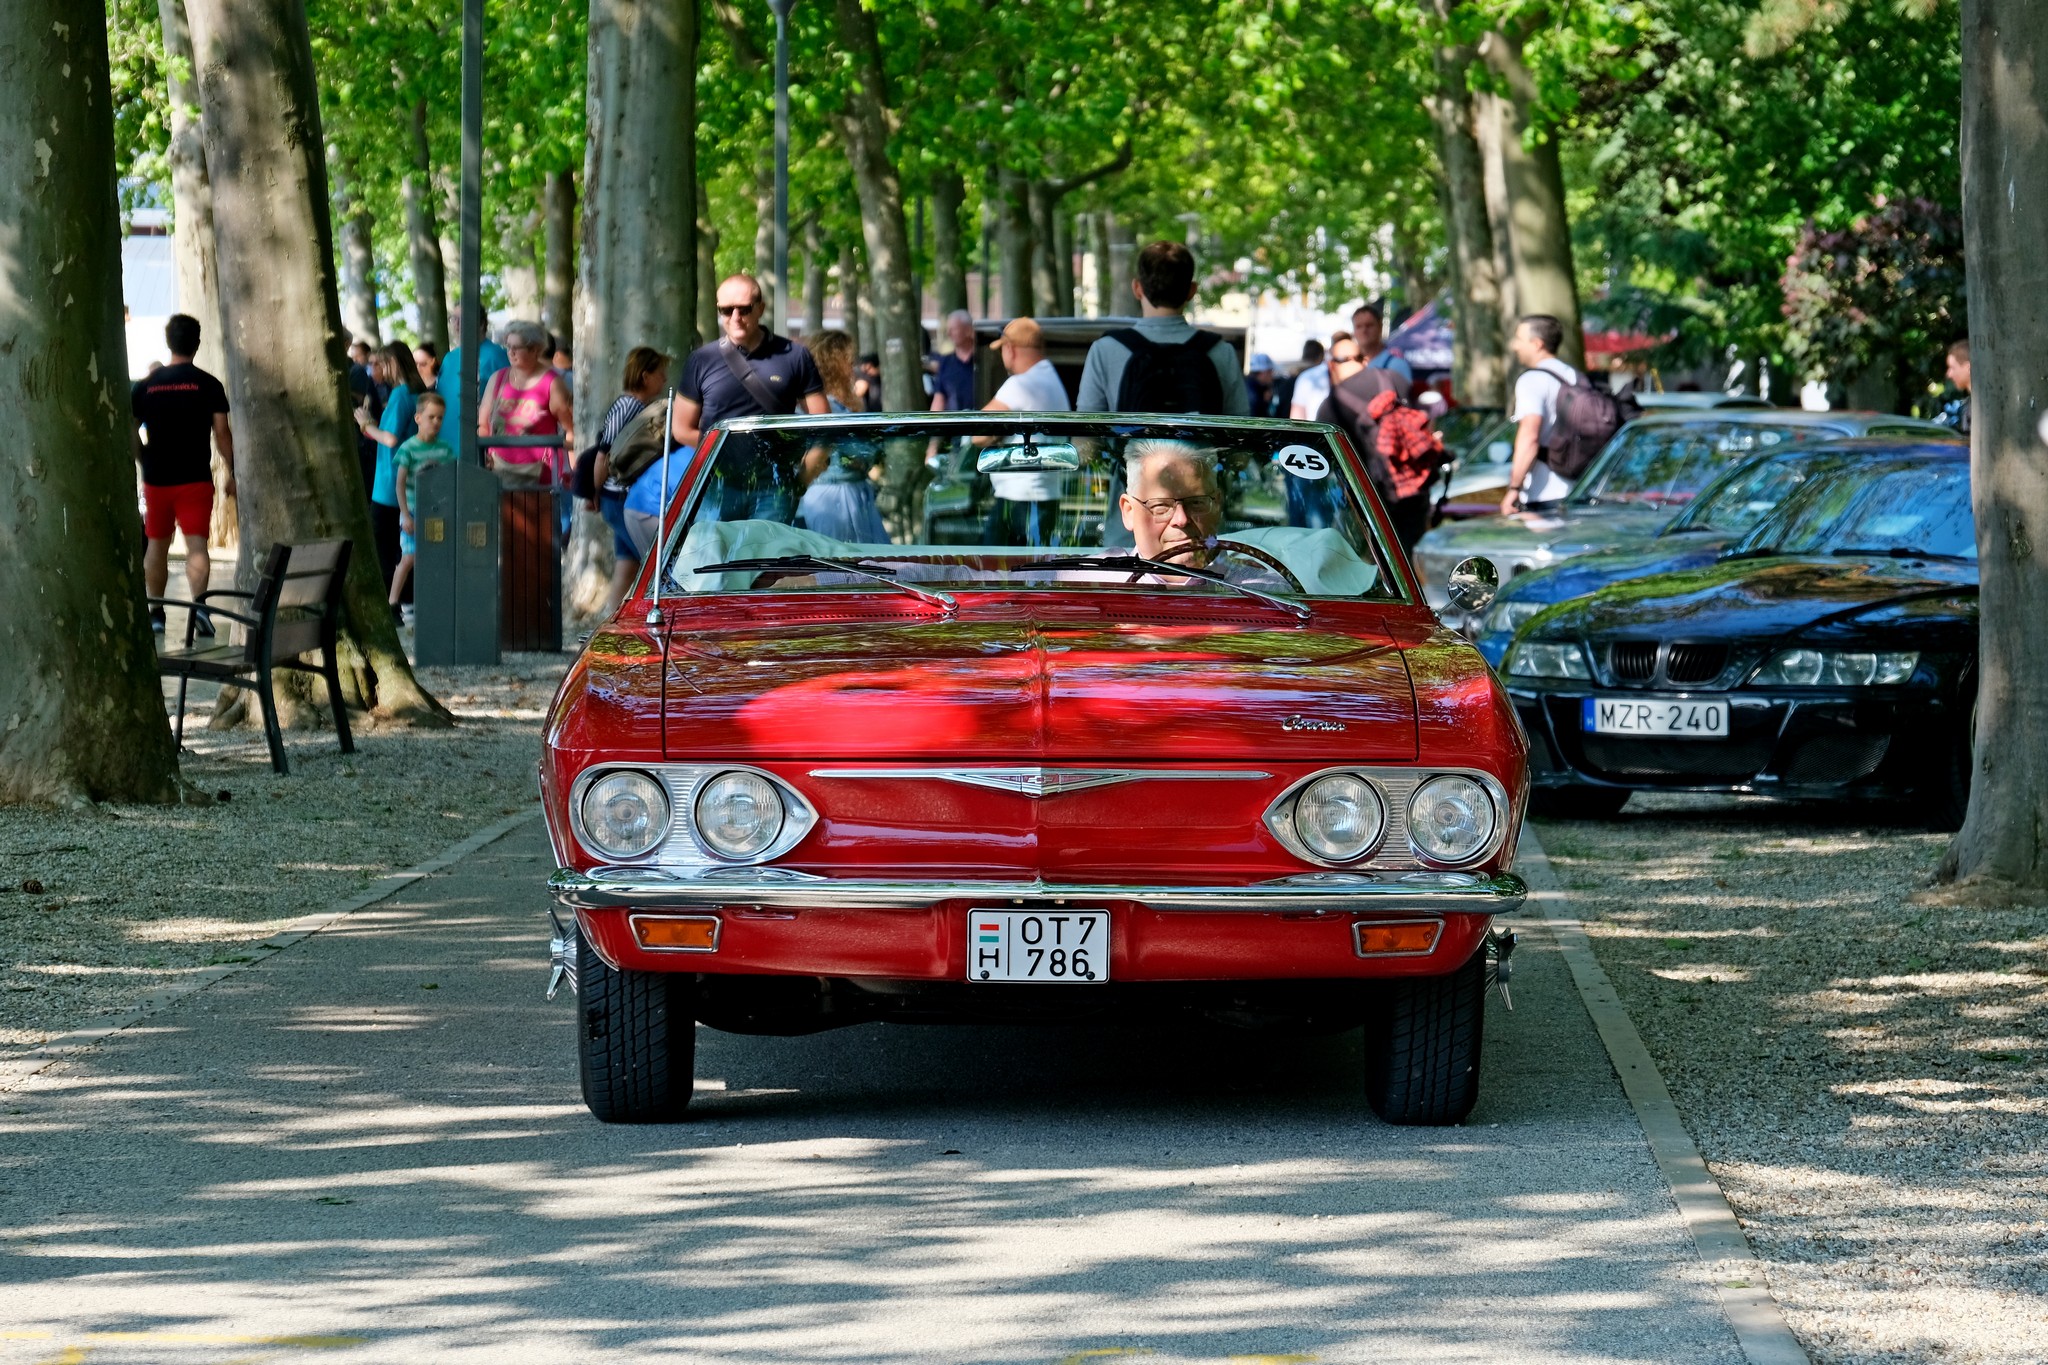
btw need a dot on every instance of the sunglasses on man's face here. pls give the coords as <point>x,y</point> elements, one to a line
<point>734,310</point>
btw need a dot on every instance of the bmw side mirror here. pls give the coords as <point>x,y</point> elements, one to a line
<point>1472,585</point>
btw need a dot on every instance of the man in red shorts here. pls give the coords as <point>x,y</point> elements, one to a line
<point>181,413</point>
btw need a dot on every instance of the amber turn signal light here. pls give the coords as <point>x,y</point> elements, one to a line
<point>1397,937</point>
<point>677,933</point>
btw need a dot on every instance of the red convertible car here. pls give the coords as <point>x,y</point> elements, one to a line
<point>1179,735</point>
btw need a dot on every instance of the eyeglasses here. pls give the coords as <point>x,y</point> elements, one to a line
<point>733,310</point>
<point>1161,509</point>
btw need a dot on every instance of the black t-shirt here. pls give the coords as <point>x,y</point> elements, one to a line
<point>784,366</point>
<point>176,407</point>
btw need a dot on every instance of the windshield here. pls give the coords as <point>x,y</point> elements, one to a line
<point>1742,499</point>
<point>1462,429</point>
<point>1667,462</point>
<point>1003,503</point>
<point>1921,508</point>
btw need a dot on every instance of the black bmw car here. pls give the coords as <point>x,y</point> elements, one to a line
<point>1834,653</point>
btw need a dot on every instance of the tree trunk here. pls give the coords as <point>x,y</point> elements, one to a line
<point>870,336</point>
<point>814,278</point>
<point>558,284</point>
<point>764,237</point>
<point>1482,359</point>
<point>1545,281</point>
<point>640,217</point>
<point>1098,243</point>
<point>865,128</point>
<point>83,712</point>
<point>949,259</point>
<point>1013,241</point>
<point>1043,202</point>
<point>521,274</point>
<point>849,295</point>
<point>1063,261</point>
<point>706,307</point>
<point>191,195</point>
<point>1123,266</point>
<point>281,311</point>
<point>1488,120</point>
<point>429,269</point>
<point>359,274</point>
<point>2003,846</point>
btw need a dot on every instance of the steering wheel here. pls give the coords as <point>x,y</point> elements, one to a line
<point>1262,557</point>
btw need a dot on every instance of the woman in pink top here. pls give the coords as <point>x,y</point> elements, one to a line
<point>526,399</point>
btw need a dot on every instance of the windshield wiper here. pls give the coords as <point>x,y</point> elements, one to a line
<point>1135,564</point>
<point>857,568</point>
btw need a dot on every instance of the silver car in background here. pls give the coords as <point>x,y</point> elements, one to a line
<point>1644,477</point>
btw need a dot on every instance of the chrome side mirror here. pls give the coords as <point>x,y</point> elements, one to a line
<point>1473,585</point>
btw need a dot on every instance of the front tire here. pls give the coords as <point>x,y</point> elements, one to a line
<point>636,1038</point>
<point>1422,1046</point>
<point>1578,803</point>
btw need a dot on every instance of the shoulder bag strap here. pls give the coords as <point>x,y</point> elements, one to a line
<point>749,381</point>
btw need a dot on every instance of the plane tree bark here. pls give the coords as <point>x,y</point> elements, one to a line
<point>81,712</point>
<point>865,125</point>
<point>191,195</point>
<point>281,314</point>
<point>1541,243</point>
<point>949,270</point>
<point>558,283</point>
<point>423,237</point>
<point>2003,845</point>
<point>1482,351</point>
<point>1013,243</point>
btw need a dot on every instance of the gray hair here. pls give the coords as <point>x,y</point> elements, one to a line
<point>959,315</point>
<point>1161,447</point>
<point>526,333</point>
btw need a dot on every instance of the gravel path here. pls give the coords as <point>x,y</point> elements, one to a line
<point>1864,1074</point>
<point>100,907</point>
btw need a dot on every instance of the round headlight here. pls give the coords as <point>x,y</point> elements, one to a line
<point>1451,819</point>
<point>625,814</point>
<point>1339,818</point>
<point>739,815</point>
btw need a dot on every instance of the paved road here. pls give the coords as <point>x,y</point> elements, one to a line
<point>370,1149</point>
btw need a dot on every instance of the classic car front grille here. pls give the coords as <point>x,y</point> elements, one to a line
<point>1829,760</point>
<point>1633,660</point>
<point>1695,663</point>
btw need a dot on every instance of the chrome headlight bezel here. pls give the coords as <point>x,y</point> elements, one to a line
<point>760,787</point>
<point>1496,830</point>
<point>1555,660</point>
<point>1395,849</point>
<point>681,845</point>
<point>654,795</point>
<point>1508,617</point>
<point>1803,666</point>
<point>1317,843</point>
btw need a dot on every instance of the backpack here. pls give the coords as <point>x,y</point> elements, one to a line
<point>639,444</point>
<point>1587,419</point>
<point>1408,445</point>
<point>1169,378</point>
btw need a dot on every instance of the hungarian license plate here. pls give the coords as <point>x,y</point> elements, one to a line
<point>1656,719</point>
<point>1048,947</point>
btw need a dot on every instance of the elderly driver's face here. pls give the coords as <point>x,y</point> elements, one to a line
<point>1173,508</point>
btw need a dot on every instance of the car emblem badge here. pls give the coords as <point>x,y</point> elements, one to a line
<point>1310,723</point>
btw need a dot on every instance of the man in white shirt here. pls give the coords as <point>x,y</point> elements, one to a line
<point>1027,502</point>
<point>1530,480</point>
<point>1312,385</point>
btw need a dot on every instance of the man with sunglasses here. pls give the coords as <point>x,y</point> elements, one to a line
<point>748,372</point>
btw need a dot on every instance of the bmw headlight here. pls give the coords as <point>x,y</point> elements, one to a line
<point>625,814</point>
<point>1451,819</point>
<point>1836,668</point>
<point>1340,818</point>
<point>1540,659</point>
<point>1509,617</point>
<point>739,814</point>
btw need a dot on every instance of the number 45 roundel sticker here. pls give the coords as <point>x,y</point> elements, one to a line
<point>1303,462</point>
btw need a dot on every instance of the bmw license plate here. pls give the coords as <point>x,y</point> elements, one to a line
<point>1656,719</point>
<point>1047,947</point>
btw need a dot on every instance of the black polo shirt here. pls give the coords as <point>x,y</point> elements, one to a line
<point>785,367</point>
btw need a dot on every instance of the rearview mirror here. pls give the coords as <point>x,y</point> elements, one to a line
<point>1472,584</point>
<point>1029,457</point>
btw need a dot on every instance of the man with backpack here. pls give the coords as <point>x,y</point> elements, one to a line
<point>1163,364</point>
<point>1561,420</point>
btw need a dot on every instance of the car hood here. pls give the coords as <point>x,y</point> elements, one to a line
<point>1542,535</point>
<point>1588,573</point>
<point>1166,690</point>
<point>1756,599</point>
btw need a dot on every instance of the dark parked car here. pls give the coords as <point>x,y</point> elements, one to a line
<point>1717,520</point>
<point>1835,656</point>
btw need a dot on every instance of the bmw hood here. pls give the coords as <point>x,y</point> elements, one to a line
<point>1537,538</point>
<point>1589,573</point>
<point>1759,599</point>
<point>1171,688</point>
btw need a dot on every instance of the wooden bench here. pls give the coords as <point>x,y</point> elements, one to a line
<point>294,610</point>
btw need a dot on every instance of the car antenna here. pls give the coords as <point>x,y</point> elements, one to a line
<point>668,436</point>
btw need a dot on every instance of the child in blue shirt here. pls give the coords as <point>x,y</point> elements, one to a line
<point>423,449</point>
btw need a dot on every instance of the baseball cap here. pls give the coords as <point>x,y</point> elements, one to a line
<point>1261,361</point>
<point>1023,332</point>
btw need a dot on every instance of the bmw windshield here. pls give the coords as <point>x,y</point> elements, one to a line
<point>1921,508</point>
<point>1259,509</point>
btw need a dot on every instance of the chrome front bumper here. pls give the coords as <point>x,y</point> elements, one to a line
<point>1315,893</point>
